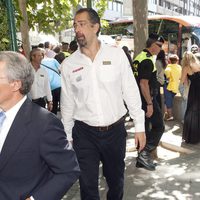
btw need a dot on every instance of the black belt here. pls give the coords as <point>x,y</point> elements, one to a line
<point>103,128</point>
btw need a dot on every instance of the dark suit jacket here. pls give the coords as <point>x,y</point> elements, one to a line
<point>36,159</point>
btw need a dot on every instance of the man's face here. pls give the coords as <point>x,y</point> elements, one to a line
<point>6,91</point>
<point>157,46</point>
<point>85,31</point>
<point>37,57</point>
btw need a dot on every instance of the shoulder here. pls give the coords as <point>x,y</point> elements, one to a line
<point>43,117</point>
<point>69,61</point>
<point>147,62</point>
<point>43,71</point>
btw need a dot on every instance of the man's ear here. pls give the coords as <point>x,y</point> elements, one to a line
<point>16,85</point>
<point>96,27</point>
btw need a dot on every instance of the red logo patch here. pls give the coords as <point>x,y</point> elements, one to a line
<point>78,69</point>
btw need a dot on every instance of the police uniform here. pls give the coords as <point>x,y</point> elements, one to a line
<point>144,68</point>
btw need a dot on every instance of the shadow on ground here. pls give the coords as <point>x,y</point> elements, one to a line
<point>177,176</point>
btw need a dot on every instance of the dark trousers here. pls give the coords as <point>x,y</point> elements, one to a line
<point>154,127</point>
<point>93,146</point>
<point>40,101</point>
<point>56,100</point>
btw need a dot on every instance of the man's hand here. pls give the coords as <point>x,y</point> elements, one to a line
<point>149,112</point>
<point>140,140</point>
<point>50,106</point>
<point>28,199</point>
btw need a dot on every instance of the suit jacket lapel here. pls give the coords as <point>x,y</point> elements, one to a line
<point>16,133</point>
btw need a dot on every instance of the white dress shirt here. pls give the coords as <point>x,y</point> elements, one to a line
<point>41,85</point>
<point>94,91</point>
<point>10,116</point>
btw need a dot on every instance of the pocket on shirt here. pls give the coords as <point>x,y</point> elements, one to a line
<point>40,81</point>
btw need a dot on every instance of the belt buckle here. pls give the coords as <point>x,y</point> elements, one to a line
<point>105,128</point>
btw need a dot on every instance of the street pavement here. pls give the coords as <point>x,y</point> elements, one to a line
<point>177,175</point>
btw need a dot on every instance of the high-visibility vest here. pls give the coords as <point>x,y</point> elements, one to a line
<point>139,58</point>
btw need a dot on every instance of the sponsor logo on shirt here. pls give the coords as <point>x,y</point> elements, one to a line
<point>79,78</point>
<point>78,69</point>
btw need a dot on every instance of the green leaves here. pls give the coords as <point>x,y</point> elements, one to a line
<point>49,16</point>
<point>4,37</point>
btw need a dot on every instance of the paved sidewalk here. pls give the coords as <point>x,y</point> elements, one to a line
<point>177,176</point>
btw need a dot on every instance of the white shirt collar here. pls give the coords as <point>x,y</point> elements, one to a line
<point>13,111</point>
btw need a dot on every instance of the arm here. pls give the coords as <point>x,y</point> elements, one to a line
<point>60,159</point>
<point>144,86</point>
<point>184,78</point>
<point>67,103</point>
<point>48,91</point>
<point>132,98</point>
<point>195,67</point>
<point>160,72</point>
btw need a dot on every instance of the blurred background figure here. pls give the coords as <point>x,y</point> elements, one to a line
<point>53,68</point>
<point>173,75</point>
<point>194,48</point>
<point>73,46</point>
<point>126,51</point>
<point>191,71</point>
<point>40,91</point>
<point>160,67</point>
<point>60,56</point>
<point>48,50</point>
<point>65,48</point>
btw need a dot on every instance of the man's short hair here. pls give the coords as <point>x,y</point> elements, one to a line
<point>153,37</point>
<point>93,16</point>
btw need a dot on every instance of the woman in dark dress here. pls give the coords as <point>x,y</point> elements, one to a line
<point>191,71</point>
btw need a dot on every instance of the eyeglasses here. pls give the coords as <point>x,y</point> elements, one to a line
<point>159,45</point>
<point>80,24</point>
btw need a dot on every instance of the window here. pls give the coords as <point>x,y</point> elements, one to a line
<point>160,2</point>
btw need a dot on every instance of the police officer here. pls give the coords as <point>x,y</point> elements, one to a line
<point>145,72</point>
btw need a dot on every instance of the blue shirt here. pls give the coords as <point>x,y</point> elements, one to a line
<point>54,78</point>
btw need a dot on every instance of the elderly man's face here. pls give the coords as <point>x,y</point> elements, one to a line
<point>5,86</point>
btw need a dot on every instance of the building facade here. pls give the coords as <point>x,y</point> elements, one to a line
<point>123,8</point>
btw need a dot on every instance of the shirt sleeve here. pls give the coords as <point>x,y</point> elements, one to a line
<point>66,102</point>
<point>167,72</point>
<point>131,95</point>
<point>47,87</point>
<point>145,69</point>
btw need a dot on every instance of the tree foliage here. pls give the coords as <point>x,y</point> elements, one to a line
<point>4,39</point>
<point>50,16</point>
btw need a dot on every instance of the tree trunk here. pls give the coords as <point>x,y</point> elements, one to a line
<point>89,3</point>
<point>140,24</point>
<point>24,28</point>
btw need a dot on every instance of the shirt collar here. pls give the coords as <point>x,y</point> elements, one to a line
<point>13,111</point>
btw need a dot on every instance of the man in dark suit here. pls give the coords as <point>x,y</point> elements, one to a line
<point>36,160</point>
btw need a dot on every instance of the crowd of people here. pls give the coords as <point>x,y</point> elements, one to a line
<point>94,86</point>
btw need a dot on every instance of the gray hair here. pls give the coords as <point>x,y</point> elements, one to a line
<point>18,68</point>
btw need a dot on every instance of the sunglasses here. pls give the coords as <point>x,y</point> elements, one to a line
<point>159,45</point>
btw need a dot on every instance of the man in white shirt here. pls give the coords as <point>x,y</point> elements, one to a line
<point>95,82</point>
<point>41,89</point>
<point>34,153</point>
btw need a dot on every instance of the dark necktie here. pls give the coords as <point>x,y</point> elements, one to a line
<point>2,118</point>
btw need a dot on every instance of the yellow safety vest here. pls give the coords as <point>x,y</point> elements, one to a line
<point>139,58</point>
